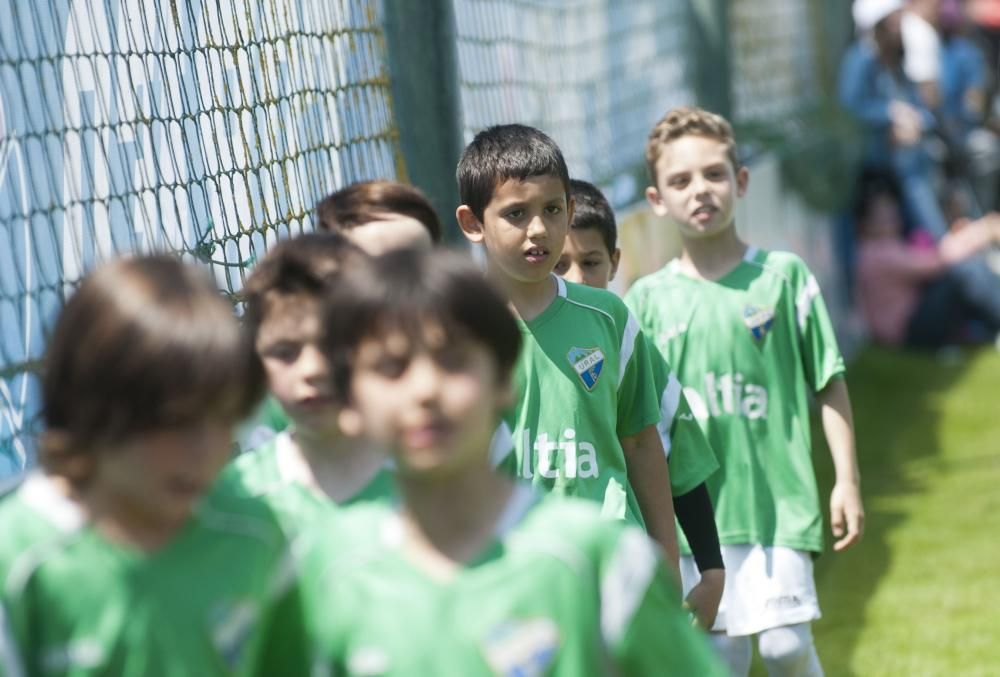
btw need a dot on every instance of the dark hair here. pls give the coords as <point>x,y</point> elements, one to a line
<point>592,211</point>
<point>502,153</point>
<point>145,343</point>
<point>307,265</point>
<point>406,289</point>
<point>872,184</point>
<point>362,203</point>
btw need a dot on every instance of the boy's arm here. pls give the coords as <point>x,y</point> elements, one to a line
<point>847,515</point>
<point>650,479</point>
<point>697,519</point>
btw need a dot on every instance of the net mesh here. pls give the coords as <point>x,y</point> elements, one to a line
<point>594,74</point>
<point>204,127</point>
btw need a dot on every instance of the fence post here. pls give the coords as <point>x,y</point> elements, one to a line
<point>710,51</point>
<point>424,77</point>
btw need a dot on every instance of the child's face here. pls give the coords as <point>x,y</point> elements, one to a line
<point>433,401</point>
<point>524,227</point>
<point>158,476</point>
<point>697,186</point>
<point>298,373</point>
<point>585,259</point>
<point>390,233</point>
<point>883,219</point>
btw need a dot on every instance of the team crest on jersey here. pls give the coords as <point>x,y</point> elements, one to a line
<point>758,320</point>
<point>588,364</point>
<point>523,648</point>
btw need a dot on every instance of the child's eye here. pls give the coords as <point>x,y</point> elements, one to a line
<point>453,359</point>
<point>553,209</point>
<point>591,263</point>
<point>514,214</point>
<point>285,351</point>
<point>561,267</point>
<point>678,182</point>
<point>390,367</point>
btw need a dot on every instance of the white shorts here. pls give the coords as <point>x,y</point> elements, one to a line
<point>766,587</point>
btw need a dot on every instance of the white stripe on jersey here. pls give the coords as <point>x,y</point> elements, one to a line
<point>804,302</point>
<point>502,444</point>
<point>10,659</point>
<point>625,583</point>
<point>668,409</point>
<point>41,494</point>
<point>628,346</point>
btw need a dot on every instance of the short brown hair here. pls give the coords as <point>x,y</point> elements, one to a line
<point>145,343</point>
<point>307,266</point>
<point>362,203</point>
<point>686,120</point>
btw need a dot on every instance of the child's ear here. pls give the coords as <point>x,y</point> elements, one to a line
<point>471,226</point>
<point>349,421</point>
<point>742,181</point>
<point>616,258</point>
<point>655,201</point>
<point>570,209</point>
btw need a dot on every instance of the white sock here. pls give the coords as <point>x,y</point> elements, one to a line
<point>789,651</point>
<point>735,652</point>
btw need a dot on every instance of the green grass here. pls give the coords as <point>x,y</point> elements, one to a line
<point>919,596</point>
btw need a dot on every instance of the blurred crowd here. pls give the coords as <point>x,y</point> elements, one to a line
<point>921,82</point>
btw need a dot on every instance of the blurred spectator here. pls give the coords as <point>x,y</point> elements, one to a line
<point>876,91</point>
<point>922,295</point>
<point>963,110</point>
<point>922,48</point>
<point>985,15</point>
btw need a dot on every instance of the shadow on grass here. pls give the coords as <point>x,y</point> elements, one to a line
<point>895,403</point>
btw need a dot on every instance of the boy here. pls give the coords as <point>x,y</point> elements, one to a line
<point>509,584</point>
<point>380,216</point>
<point>748,334</point>
<point>109,565</point>
<point>591,257</point>
<point>377,217</point>
<point>283,299</point>
<point>584,423</point>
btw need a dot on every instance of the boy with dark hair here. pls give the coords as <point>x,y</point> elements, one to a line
<point>111,562</point>
<point>591,244</point>
<point>312,464</point>
<point>590,255</point>
<point>380,216</point>
<point>509,584</point>
<point>749,336</point>
<point>585,420</point>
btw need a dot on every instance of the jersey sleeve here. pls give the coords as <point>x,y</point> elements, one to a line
<point>642,623</point>
<point>689,454</point>
<point>821,358</point>
<point>638,403</point>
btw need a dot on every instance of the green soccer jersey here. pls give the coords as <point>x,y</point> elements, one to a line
<point>559,592</point>
<point>584,381</point>
<point>263,425</point>
<point>747,349</point>
<point>222,598</point>
<point>267,473</point>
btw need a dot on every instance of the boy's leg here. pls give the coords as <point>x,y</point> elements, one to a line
<point>735,652</point>
<point>789,651</point>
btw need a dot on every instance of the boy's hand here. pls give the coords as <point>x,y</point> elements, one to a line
<point>847,515</point>
<point>704,598</point>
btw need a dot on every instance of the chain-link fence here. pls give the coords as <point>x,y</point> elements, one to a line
<point>205,127</point>
<point>210,127</point>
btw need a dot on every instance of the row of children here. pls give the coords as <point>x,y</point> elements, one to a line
<point>391,526</point>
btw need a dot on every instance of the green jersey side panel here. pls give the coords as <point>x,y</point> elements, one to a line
<point>220,599</point>
<point>692,459</point>
<point>748,348</point>
<point>561,592</point>
<point>584,381</point>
